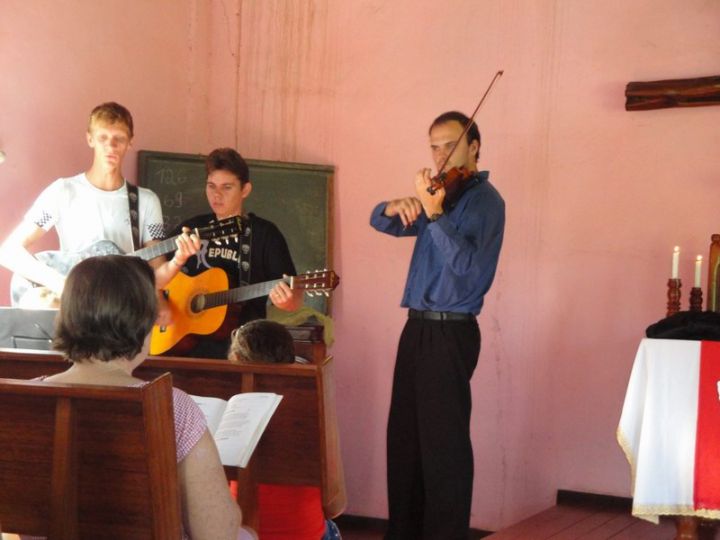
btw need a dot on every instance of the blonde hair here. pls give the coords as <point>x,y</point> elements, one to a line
<point>111,113</point>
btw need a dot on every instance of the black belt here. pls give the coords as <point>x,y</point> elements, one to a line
<point>439,315</point>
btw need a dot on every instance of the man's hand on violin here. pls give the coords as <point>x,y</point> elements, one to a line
<point>431,202</point>
<point>407,209</point>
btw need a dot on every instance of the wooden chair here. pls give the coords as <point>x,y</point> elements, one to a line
<point>88,461</point>
<point>301,444</point>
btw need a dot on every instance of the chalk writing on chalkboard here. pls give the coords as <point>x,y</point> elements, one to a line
<point>297,197</point>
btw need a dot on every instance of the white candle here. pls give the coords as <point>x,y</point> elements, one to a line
<point>698,270</point>
<point>675,262</point>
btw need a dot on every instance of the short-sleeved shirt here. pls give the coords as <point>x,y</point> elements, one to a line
<point>190,423</point>
<point>84,214</point>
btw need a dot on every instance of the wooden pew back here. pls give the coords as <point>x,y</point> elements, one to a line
<point>300,445</point>
<point>88,461</point>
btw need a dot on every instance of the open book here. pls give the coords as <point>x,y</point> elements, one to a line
<point>237,424</point>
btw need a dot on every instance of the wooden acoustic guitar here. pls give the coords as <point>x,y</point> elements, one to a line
<point>25,293</point>
<point>199,304</point>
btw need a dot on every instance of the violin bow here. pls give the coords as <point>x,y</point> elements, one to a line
<point>432,189</point>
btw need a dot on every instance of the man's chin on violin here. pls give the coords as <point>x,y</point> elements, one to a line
<point>455,159</point>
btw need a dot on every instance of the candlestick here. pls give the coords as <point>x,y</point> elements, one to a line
<point>673,294</point>
<point>675,262</point>
<point>696,299</point>
<point>698,270</point>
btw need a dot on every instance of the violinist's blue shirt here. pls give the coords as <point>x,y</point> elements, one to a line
<point>454,260</point>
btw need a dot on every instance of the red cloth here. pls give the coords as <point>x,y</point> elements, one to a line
<point>290,512</point>
<point>707,437</point>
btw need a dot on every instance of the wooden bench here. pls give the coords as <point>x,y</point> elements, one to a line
<point>300,445</point>
<point>88,461</point>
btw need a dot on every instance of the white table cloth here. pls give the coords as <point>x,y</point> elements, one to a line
<point>675,466</point>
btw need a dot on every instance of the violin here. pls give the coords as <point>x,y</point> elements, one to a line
<point>455,176</point>
<point>451,180</point>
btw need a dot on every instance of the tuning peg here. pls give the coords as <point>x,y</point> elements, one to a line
<point>327,294</point>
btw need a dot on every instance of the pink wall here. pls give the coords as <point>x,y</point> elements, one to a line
<point>596,196</point>
<point>60,60</point>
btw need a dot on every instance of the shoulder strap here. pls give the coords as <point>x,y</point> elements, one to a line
<point>133,196</point>
<point>245,246</point>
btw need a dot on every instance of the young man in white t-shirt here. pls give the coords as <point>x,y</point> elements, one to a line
<point>93,206</point>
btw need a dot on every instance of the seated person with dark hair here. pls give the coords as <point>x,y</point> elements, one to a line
<point>263,341</point>
<point>286,512</point>
<point>107,309</point>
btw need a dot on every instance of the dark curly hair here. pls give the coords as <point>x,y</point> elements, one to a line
<point>107,309</point>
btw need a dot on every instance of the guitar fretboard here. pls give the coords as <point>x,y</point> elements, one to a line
<point>240,294</point>
<point>217,231</point>
<point>161,248</point>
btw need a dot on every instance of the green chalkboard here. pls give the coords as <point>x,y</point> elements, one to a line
<point>295,196</point>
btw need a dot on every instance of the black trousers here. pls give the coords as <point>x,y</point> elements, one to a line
<point>429,453</point>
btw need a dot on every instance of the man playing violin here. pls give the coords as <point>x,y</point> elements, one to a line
<point>458,223</point>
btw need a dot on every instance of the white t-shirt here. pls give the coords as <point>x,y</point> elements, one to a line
<point>84,214</point>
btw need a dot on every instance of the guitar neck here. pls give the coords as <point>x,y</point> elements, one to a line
<point>215,231</point>
<point>241,294</point>
<point>161,248</point>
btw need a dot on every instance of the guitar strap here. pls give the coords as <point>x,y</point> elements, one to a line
<point>244,245</point>
<point>132,192</point>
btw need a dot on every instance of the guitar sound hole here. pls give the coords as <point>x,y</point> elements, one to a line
<point>197,304</point>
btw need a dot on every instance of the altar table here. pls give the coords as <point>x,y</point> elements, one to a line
<point>670,429</point>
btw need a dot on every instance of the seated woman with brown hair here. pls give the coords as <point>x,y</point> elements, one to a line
<point>286,512</point>
<point>107,309</point>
